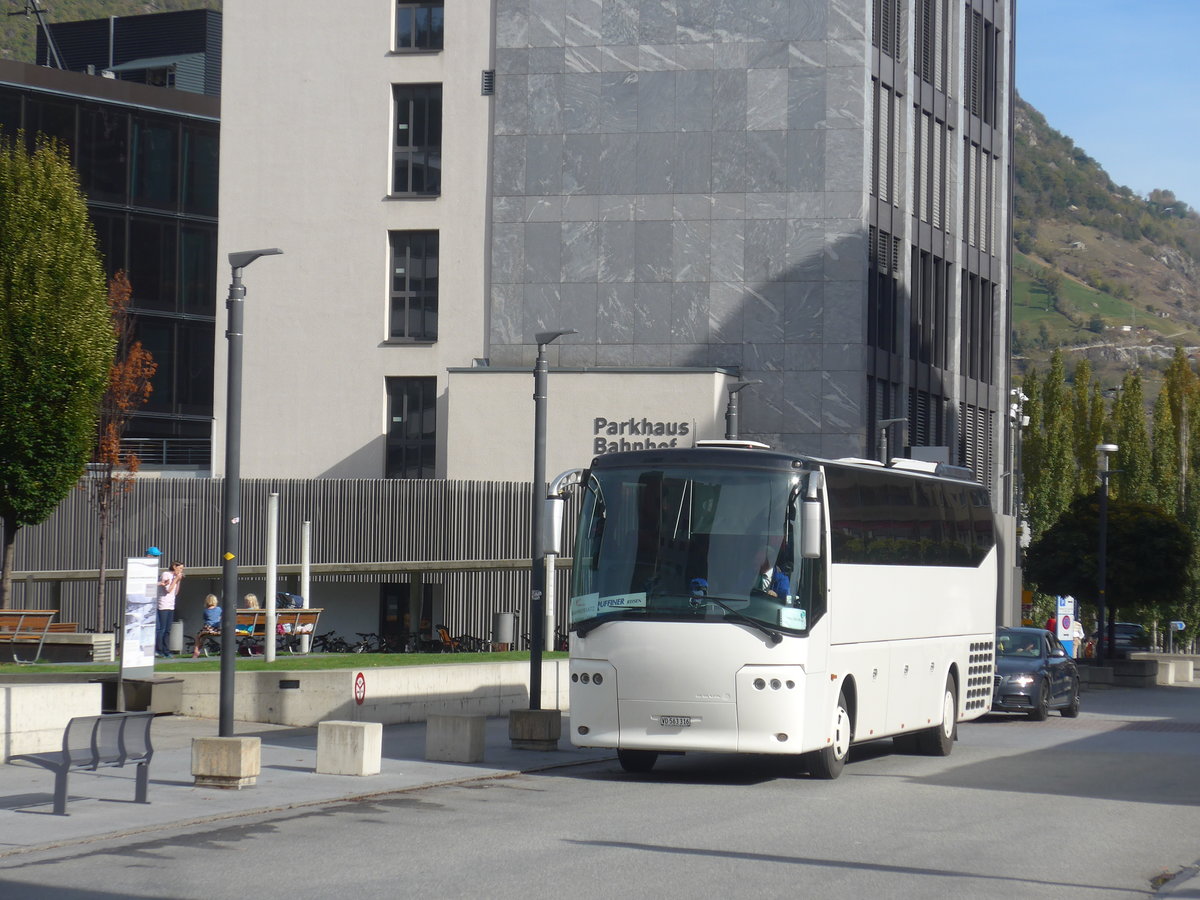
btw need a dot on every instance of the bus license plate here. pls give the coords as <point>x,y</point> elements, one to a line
<point>675,721</point>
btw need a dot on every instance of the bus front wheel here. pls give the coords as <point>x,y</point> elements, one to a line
<point>939,740</point>
<point>829,761</point>
<point>637,761</point>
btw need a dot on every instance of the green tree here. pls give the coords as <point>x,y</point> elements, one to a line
<point>1164,456</point>
<point>56,338</point>
<point>1087,406</point>
<point>1049,452</point>
<point>1133,461</point>
<point>1146,556</point>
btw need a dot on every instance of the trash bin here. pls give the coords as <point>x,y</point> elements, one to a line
<point>175,641</point>
<point>502,630</point>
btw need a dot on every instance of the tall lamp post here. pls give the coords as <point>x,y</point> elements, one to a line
<point>1102,555</point>
<point>233,484</point>
<point>537,573</point>
<point>731,408</point>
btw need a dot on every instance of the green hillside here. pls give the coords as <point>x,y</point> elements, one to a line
<point>1096,268</point>
<point>18,33</point>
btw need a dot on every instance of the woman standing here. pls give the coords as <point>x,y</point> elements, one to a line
<point>168,590</point>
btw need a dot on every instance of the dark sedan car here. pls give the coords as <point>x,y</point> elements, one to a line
<point>1034,674</point>
<point>1128,637</point>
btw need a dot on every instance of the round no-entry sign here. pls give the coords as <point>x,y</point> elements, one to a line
<point>360,688</point>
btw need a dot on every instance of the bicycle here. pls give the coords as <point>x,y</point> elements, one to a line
<point>329,642</point>
<point>368,643</point>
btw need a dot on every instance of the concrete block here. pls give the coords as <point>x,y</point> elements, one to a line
<point>535,729</point>
<point>1185,671</point>
<point>226,762</point>
<point>34,716</point>
<point>349,748</point>
<point>1095,675</point>
<point>455,738</point>
<point>1166,671</point>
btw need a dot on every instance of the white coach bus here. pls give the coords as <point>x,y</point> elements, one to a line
<point>749,601</point>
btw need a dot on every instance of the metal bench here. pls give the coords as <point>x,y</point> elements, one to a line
<point>92,742</point>
<point>23,627</point>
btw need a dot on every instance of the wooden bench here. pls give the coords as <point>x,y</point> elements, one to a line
<point>64,628</point>
<point>290,626</point>
<point>91,742</point>
<point>23,627</point>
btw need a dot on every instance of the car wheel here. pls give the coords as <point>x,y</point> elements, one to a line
<point>1041,707</point>
<point>939,740</point>
<point>1071,710</point>
<point>637,761</point>
<point>829,761</point>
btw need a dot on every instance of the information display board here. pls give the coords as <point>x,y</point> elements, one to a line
<point>141,616</point>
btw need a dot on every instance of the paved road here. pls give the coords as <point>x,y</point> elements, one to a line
<point>1096,807</point>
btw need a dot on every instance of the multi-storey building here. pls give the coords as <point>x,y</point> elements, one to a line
<point>147,161</point>
<point>811,197</point>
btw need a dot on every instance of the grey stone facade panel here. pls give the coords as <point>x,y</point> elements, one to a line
<point>694,177</point>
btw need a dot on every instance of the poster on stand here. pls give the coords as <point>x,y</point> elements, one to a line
<point>141,616</point>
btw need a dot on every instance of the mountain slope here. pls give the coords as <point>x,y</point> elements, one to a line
<point>18,34</point>
<point>1097,267</point>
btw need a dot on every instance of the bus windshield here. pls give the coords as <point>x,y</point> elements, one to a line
<point>688,544</point>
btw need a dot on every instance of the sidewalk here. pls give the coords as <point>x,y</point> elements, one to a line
<point>101,803</point>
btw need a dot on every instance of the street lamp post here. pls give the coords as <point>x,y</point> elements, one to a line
<point>232,503</point>
<point>882,426</point>
<point>1102,555</point>
<point>731,408</point>
<point>537,573</point>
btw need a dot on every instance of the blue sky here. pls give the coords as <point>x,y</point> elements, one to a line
<point>1120,78</point>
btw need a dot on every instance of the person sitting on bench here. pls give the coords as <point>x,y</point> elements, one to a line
<point>212,623</point>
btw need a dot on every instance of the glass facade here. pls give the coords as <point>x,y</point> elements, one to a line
<point>151,184</point>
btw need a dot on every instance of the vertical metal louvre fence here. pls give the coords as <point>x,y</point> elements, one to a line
<point>352,522</point>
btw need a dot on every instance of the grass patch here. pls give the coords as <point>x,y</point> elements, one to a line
<point>287,662</point>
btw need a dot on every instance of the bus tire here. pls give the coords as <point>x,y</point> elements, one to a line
<point>939,740</point>
<point>637,761</point>
<point>829,761</point>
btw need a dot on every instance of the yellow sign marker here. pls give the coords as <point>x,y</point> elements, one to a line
<point>228,556</point>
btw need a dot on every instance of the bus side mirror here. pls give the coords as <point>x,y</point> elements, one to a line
<point>552,524</point>
<point>810,529</point>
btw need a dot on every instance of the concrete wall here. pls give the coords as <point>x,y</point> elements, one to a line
<point>391,695</point>
<point>34,716</point>
<point>306,162</point>
<point>589,412</point>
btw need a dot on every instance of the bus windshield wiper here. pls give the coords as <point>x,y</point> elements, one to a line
<point>775,636</point>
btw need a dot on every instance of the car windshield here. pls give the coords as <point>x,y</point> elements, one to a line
<point>1019,644</point>
<point>689,544</point>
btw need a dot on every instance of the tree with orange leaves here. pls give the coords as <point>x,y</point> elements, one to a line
<point>112,471</point>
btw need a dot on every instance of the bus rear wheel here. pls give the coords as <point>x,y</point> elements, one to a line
<point>637,761</point>
<point>939,740</point>
<point>829,761</point>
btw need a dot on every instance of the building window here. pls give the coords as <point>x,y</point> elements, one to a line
<point>414,291</point>
<point>412,428</point>
<point>417,153</point>
<point>419,25</point>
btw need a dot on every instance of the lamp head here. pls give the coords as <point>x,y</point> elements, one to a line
<point>738,385</point>
<point>243,258</point>
<point>545,337</point>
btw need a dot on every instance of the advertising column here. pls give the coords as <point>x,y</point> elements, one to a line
<point>141,596</point>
